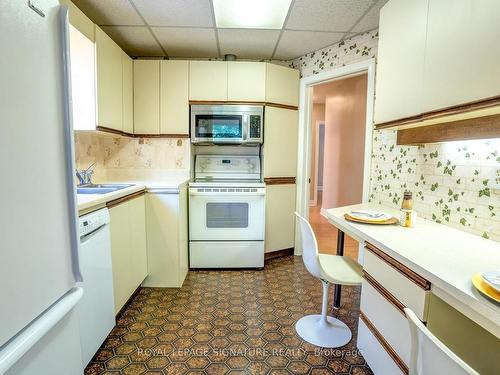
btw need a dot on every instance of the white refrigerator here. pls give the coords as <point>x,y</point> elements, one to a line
<point>38,232</point>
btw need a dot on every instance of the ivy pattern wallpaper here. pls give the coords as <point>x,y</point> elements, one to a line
<point>454,183</point>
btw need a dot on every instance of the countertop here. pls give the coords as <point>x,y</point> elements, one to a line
<point>92,202</point>
<point>445,256</point>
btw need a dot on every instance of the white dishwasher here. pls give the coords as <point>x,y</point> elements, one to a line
<point>96,310</point>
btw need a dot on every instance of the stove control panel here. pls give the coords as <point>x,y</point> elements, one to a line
<point>226,166</point>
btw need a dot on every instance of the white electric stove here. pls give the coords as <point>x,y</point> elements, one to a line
<point>226,213</point>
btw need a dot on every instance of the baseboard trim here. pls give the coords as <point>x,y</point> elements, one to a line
<point>278,254</point>
<point>124,307</point>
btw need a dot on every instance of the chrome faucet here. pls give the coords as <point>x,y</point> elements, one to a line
<point>85,175</point>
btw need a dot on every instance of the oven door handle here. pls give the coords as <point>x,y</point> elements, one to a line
<point>230,193</point>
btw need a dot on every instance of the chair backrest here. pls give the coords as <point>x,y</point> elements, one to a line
<point>429,356</point>
<point>309,247</point>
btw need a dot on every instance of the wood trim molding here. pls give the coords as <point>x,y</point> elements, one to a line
<point>161,135</point>
<point>113,131</point>
<point>401,268</point>
<point>388,348</point>
<point>384,292</point>
<point>475,128</point>
<point>447,111</point>
<point>268,104</point>
<point>116,202</point>
<point>278,253</point>
<point>279,180</point>
<point>130,135</point>
<point>283,106</point>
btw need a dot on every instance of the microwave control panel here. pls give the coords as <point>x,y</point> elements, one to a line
<point>255,127</point>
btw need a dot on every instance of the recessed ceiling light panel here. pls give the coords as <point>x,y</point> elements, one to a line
<point>251,14</point>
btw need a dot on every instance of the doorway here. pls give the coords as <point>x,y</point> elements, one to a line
<point>336,110</point>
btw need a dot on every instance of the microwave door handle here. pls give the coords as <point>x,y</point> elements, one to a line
<point>245,127</point>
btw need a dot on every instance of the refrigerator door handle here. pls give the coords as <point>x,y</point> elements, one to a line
<point>70,155</point>
<point>30,335</point>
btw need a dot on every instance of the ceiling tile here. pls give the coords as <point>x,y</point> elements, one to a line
<point>326,15</point>
<point>135,40</point>
<point>370,20</point>
<point>187,42</point>
<point>297,43</point>
<point>109,12</point>
<point>248,43</point>
<point>196,13</point>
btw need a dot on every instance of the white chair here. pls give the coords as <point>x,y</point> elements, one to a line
<point>429,356</point>
<point>323,330</point>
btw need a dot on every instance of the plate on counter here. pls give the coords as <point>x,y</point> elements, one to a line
<point>370,217</point>
<point>485,288</point>
<point>492,278</point>
<point>385,221</point>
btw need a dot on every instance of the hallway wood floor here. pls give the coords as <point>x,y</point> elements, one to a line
<point>326,234</point>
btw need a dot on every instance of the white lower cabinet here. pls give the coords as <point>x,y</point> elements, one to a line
<point>167,237</point>
<point>397,283</point>
<point>280,218</point>
<point>128,248</point>
<point>387,289</point>
<point>376,356</point>
<point>390,321</point>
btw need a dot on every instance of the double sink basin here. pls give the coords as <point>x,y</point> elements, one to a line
<point>100,188</point>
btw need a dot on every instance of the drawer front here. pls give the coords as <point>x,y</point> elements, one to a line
<point>380,362</point>
<point>387,318</point>
<point>408,287</point>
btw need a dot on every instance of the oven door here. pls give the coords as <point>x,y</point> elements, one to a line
<point>226,215</point>
<point>217,128</point>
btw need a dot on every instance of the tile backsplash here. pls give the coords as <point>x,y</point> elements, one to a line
<point>147,156</point>
<point>452,183</point>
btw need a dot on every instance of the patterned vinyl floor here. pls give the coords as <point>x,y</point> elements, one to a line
<point>229,322</point>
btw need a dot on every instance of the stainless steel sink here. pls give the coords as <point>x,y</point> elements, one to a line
<point>100,188</point>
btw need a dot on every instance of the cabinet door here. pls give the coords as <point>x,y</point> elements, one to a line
<point>400,60</point>
<point>120,253</point>
<point>146,96</point>
<point>82,80</point>
<point>109,81</point>
<point>208,80</point>
<point>162,218</point>
<point>246,81</point>
<point>462,53</point>
<point>139,260</point>
<point>174,97</point>
<point>280,218</point>
<point>280,142</point>
<point>282,85</point>
<point>128,93</point>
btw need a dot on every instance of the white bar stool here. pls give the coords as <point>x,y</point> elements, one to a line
<point>429,356</point>
<point>323,330</point>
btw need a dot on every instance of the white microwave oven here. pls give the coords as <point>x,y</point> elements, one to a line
<point>227,124</point>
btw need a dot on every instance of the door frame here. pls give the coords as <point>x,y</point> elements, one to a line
<point>304,147</point>
<point>314,200</point>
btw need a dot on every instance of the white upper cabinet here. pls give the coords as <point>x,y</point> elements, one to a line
<point>282,85</point>
<point>146,96</point>
<point>208,80</point>
<point>109,81</point>
<point>246,81</point>
<point>82,80</point>
<point>280,142</point>
<point>462,62</point>
<point>400,66</point>
<point>174,97</point>
<point>128,93</point>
